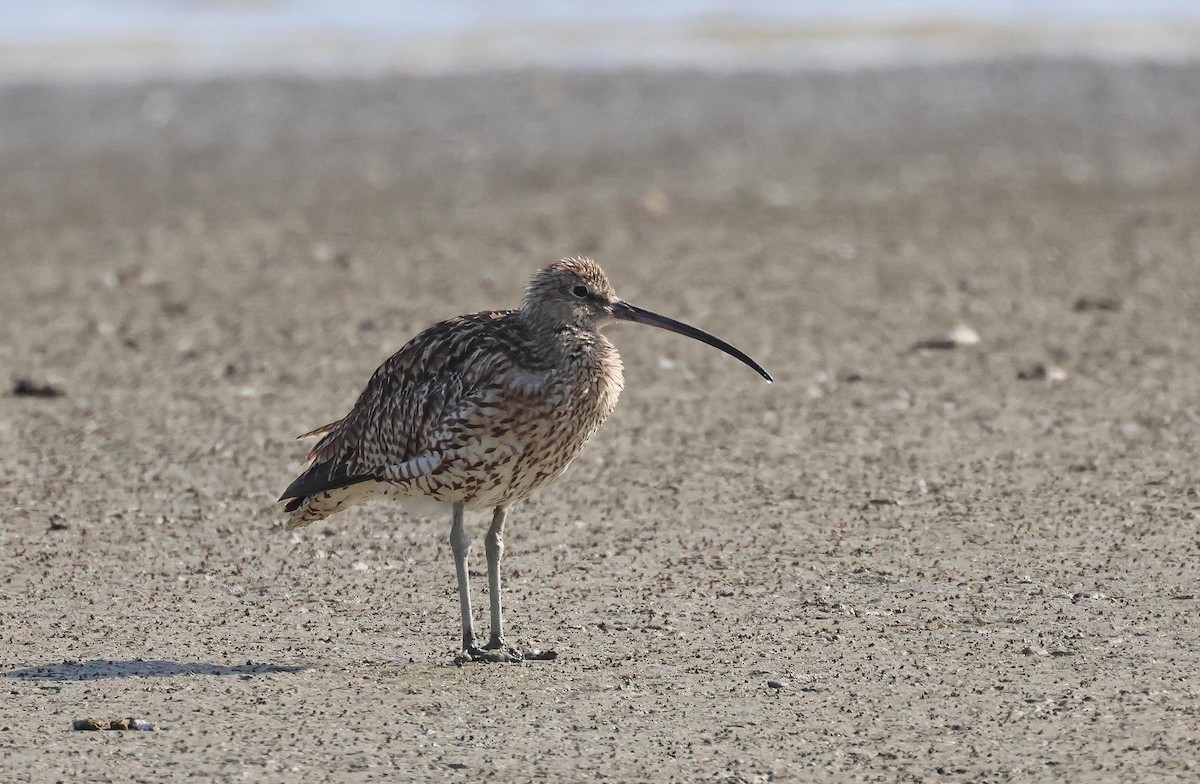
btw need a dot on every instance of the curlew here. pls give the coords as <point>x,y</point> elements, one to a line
<point>479,411</point>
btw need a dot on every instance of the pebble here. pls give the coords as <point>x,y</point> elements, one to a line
<point>24,387</point>
<point>961,336</point>
<point>1097,303</point>
<point>91,725</point>
<point>1042,372</point>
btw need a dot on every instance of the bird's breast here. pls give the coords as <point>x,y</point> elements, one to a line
<point>567,409</point>
<point>530,427</point>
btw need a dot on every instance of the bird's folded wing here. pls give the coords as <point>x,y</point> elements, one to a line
<point>421,465</point>
<point>443,391</point>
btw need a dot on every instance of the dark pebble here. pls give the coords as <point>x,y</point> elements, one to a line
<point>23,387</point>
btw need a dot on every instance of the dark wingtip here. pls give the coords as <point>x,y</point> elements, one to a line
<point>318,478</point>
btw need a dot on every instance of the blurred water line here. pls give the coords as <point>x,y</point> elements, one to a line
<point>132,38</point>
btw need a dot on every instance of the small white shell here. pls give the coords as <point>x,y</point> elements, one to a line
<point>962,336</point>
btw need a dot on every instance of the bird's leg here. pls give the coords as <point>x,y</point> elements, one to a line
<point>496,650</point>
<point>496,647</point>
<point>494,545</point>
<point>461,545</point>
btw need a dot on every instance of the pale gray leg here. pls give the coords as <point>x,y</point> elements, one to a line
<point>496,651</point>
<point>494,545</point>
<point>460,544</point>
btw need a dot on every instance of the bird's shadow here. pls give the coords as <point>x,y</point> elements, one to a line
<point>102,669</point>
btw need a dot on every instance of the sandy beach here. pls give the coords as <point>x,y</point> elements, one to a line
<point>897,563</point>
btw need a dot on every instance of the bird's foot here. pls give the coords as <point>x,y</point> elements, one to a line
<point>497,652</point>
<point>494,656</point>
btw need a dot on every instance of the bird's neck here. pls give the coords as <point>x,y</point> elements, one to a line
<point>590,348</point>
<point>558,344</point>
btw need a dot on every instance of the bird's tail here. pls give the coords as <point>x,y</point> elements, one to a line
<point>309,509</point>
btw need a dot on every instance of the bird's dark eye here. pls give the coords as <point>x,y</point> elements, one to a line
<point>580,291</point>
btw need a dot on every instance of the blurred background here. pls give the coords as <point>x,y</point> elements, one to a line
<point>90,38</point>
<point>963,237</point>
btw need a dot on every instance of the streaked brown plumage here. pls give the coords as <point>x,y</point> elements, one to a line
<point>480,411</point>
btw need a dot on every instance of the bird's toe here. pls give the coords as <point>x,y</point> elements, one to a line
<point>502,654</point>
<point>490,655</point>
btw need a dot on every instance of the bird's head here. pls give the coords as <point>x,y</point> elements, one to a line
<point>570,292</point>
<point>575,292</point>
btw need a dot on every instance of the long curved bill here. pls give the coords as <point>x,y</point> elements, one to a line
<point>626,312</point>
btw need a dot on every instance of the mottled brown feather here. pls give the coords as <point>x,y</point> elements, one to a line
<point>482,408</point>
<point>410,400</point>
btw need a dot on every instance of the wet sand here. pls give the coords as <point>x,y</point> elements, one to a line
<point>892,564</point>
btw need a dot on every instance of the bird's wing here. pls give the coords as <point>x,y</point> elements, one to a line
<point>436,395</point>
<point>320,431</point>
